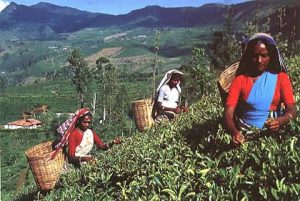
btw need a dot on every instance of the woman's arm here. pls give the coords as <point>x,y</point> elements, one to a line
<point>79,159</point>
<point>275,124</point>
<point>237,137</point>
<point>176,110</point>
<point>286,92</point>
<point>100,144</point>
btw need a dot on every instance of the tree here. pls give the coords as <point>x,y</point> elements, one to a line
<point>292,37</point>
<point>156,48</point>
<point>80,74</point>
<point>224,49</point>
<point>6,56</point>
<point>255,26</point>
<point>106,77</point>
<point>197,80</point>
<point>2,84</point>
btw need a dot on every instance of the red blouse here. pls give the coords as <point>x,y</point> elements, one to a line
<point>242,85</point>
<point>75,139</point>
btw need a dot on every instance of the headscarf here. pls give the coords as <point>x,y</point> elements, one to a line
<point>266,38</point>
<point>167,78</point>
<point>66,128</point>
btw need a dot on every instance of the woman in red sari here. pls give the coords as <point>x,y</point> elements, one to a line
<point>258,90</point>
<point>80,138</point>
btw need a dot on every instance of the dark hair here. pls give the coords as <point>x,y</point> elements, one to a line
<point>245,62</point>
<point>80,119</point>
<point>175,75</point>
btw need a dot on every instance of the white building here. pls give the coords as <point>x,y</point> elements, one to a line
<point>23,124</point>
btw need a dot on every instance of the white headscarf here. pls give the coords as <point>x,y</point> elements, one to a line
<point>167,78</point>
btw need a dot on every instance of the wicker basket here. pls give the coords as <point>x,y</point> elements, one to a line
<point>142,113</point>
<point>225,80</point>
<point>46,172</point>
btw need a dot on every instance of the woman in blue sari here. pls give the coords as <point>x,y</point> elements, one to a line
<point>260,87</point>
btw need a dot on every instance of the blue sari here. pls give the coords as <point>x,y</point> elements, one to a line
<point>259,100</point>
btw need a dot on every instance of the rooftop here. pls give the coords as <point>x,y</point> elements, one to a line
<point>25,123</point>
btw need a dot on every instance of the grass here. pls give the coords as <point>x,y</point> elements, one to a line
<point>13,161</point>
<point>27,97</point>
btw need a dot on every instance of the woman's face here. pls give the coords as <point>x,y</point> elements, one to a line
<point>260,57</point>
<point>85,123</point>
<point>175,79</point>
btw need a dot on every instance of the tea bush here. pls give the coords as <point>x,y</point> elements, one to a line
<point>191,158</point>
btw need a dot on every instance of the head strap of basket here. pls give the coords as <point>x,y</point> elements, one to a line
<point>66,128</point>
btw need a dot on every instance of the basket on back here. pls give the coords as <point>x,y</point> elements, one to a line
<point>142,110</point>
<point>46,172</point>
<point>225,80</point>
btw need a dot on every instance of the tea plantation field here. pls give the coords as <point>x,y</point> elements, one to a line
<point>191,158</point>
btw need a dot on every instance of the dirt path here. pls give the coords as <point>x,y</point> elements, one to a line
<point>22,179</point>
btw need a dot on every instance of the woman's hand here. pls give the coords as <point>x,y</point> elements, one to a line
<point>238,138</point>
<point>273,124</point>
<point>177,110</point>
<point>184,109</point>
<point>117,140</point>
<point>92,161</point>
<point>86,159</point>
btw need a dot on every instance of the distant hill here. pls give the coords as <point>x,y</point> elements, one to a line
<point>45,15</point>
<point>47,19</point>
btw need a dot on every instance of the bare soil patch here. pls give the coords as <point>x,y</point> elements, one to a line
<point>106,52</point>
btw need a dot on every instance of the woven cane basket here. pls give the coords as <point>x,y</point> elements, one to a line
<point>225,80</point>
<point>142,113</point>
<point>46,172</point>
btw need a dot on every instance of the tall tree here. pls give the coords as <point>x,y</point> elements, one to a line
<point>224,49</point>
<point>106,76</point>
<point>255,24</point>
<point>292,36</point>
<point>2,85</point>
<point>156,48</point>
<point>197,80</point>
<point>80,75</point>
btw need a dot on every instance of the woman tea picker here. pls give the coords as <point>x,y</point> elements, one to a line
<point>260,87</point>
<point>168,92</point>
<point>80,139</point>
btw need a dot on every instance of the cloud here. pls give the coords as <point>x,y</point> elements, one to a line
<point>3,4</point>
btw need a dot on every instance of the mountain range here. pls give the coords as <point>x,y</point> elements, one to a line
<point>47,19</point>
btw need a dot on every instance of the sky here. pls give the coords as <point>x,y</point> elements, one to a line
<point>117,7</point>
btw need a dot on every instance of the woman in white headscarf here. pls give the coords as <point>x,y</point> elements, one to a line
<point>166,105</point>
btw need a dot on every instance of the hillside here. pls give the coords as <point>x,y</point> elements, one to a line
<point>191,159</point>
<point>46,19</point>
<point>36,40</point>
